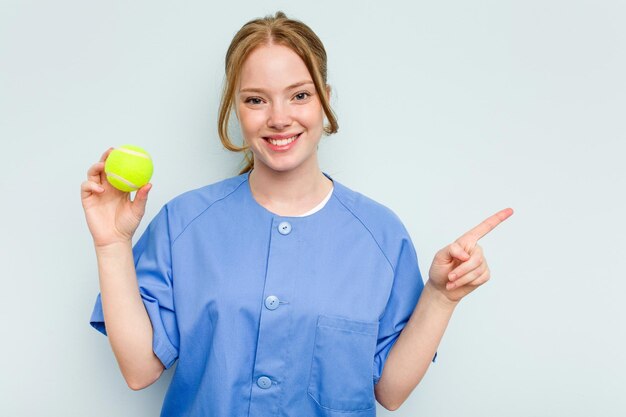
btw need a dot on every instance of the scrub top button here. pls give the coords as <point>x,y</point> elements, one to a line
<point>272,302</point>
<point>284,228</point>
<point>264,382</point>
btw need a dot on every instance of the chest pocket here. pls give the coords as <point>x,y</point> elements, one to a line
<point>342,366</point>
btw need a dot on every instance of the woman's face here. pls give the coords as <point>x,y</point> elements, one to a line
<point>279,111</point>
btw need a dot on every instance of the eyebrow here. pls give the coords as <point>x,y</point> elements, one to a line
<point>292,86</point>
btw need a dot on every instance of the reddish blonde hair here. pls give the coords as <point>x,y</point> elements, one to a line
<point>281,30</point>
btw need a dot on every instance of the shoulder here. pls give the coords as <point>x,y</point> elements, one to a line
<point>186,207</point>
<point>207,195</point>
<point>379,222</point>
<point>382,222</point>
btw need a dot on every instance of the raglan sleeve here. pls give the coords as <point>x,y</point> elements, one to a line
<point>405,292</point>
<point>153,264</point>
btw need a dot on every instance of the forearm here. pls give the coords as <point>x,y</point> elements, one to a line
<point>413,352</point>
<point>127,323</point>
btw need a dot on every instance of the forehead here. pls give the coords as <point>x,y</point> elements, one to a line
<point>272,67</point>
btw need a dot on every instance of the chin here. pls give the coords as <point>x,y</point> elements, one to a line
<point>282,167</point>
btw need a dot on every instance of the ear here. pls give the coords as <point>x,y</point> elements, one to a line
<point>328,92</point>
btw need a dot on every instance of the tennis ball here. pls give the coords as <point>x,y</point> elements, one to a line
<point>128,168</point>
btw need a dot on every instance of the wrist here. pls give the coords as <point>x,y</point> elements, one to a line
<point>113,248</point>
<point>439,297</point>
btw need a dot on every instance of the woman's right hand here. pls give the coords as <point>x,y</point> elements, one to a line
<point>111,216</point>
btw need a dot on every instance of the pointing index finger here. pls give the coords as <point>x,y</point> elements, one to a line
<point>487,225</point>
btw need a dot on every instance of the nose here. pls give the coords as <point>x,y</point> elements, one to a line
<point>279,117</point>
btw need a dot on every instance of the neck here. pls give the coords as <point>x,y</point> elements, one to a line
<point>289,193</point>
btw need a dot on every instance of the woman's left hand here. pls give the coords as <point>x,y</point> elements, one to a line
<point>460,267</point>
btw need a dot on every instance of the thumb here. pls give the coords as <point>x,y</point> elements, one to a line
<point>141,198</point>
<point>451,252</point>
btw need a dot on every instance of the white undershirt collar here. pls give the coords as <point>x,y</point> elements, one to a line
<point>319,206</point>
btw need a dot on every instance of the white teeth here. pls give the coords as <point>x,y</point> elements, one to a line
<point>282,142</point>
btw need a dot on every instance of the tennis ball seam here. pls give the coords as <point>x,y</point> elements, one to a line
<point>122,179</point>
<point>131,152</point>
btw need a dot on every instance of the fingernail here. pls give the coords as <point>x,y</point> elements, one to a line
<point>452,277</point>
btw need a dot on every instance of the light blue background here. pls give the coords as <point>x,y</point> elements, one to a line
<point>448,112</point>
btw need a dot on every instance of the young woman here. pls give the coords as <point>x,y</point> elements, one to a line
<point>278,291</point>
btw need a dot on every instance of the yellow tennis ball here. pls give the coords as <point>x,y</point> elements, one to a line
<point>128,168</point>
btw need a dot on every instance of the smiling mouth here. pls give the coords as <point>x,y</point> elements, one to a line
<point>282,142</point>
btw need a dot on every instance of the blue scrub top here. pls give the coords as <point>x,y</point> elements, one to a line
<point>270,315</point>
